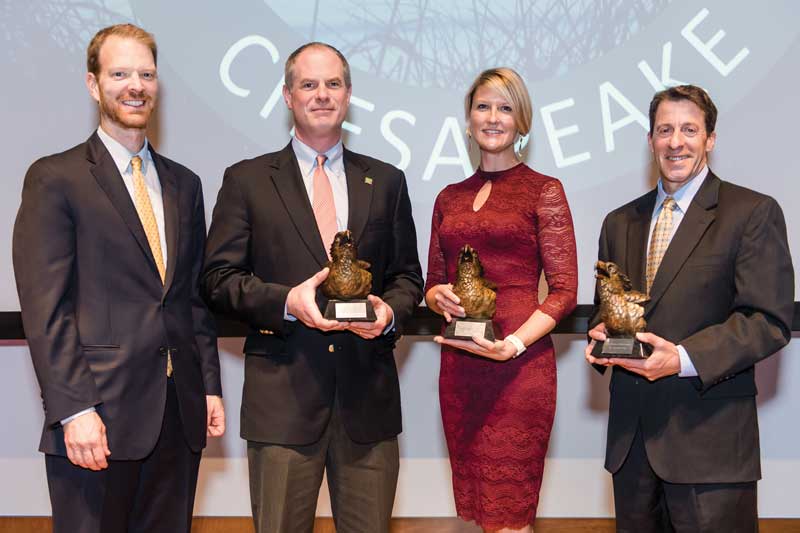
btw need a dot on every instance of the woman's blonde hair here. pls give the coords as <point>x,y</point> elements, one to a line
<point>509,84</point>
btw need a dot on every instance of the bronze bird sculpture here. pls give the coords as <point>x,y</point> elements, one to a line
<point>348,278</point>
<point>477,294</point>
<point>621,308</point>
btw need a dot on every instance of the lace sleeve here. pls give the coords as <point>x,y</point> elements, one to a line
<point>556,237</point>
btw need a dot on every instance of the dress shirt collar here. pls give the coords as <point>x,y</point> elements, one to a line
<point>121,155</point>
<point>307,156</point>
<point>683,196</point>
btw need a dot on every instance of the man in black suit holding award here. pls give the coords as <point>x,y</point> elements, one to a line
<point>319,394</point>
<point>108,251</point>
<point>714,259</point>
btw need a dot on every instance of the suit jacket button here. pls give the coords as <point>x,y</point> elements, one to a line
<point>331,348</point>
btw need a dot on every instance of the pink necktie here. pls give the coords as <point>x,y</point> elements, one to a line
<point>324,208</point>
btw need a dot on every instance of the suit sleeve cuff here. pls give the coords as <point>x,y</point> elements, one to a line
<point>76,415</point>
<point>687,367</point>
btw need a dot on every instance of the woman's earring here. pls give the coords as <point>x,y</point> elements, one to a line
<point>520,143</point>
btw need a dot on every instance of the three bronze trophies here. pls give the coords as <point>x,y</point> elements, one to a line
<point>349,282</point>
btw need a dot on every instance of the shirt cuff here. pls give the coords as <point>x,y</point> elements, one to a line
<point>390,327</point>
<point>687,367</point>
<point>76,415</point>
<point>287,316</point>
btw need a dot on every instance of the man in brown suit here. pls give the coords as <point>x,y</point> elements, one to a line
<point>108,248</point>
<point>714,258</point>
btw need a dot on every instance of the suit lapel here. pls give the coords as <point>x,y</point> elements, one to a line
<point>638,232</point>
<point>169,194</point>
<point>285,174</point>
<point>698,218</point>
<point>105,172</point>
<point>359,193</point>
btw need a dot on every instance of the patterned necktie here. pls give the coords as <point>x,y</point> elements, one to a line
<point>660,239</point>
<point>324,208</point>
<point>146,215</point>
<point>148,218</point>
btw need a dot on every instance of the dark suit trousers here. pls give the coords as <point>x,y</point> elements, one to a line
<point>644,503</point>
<point>285,482</point>
<point>152,495</point>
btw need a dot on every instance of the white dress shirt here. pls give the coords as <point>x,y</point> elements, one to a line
<point>122,158</point>
<point>334,168</point>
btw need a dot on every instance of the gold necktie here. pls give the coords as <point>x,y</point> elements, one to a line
<point>145,210</point>
<point>660,239</point>
<point>146,215</point>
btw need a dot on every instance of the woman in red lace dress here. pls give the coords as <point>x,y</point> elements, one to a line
<point>498,399</point>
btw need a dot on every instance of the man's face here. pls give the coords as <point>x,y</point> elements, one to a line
<point>318,97</point>
<point>126,86</point>
<point>679,142</point>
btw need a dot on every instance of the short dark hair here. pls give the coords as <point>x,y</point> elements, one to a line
<point>692,93</point>
<point>288,74</point>
<point>126,31</point>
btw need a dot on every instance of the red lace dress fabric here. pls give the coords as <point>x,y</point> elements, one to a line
<point>497,416</point>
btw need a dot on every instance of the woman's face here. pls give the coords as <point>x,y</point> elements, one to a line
<point>491,121</point>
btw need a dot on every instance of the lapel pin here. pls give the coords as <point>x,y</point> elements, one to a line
<point>367,180</point>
